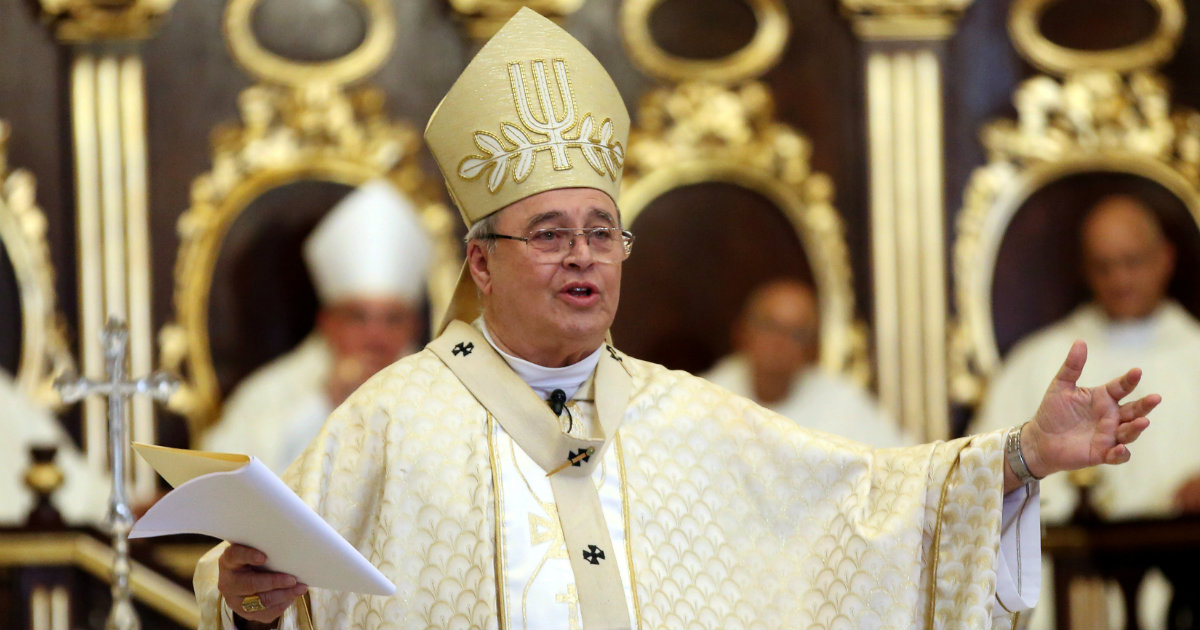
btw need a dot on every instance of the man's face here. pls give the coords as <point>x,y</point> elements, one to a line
<point>371,331</point>
<point>540,302</point>
<point>1127,262</point>
<point>778,332</point>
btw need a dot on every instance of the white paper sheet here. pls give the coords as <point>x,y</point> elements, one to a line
<point>237,498</point>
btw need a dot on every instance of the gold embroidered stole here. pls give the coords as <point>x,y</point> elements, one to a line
<point>529,421</point>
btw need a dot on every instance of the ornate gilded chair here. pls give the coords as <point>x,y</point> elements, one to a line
<point>1105,125</point>
<point>711,175</point>
<point>305,139</point>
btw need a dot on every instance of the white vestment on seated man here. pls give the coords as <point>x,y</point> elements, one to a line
<point>83,497</point>
<point>277,410</point>
<point>712,511</point>
<point>1166,346</point>
<point>818,400</point>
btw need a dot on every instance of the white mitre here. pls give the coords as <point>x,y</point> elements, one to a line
<point>371,244</point>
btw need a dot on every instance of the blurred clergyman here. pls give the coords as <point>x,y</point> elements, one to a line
<point>774,363</point>
<point>1128,263</point>
<point>368,259</point>
<point>83,496</point>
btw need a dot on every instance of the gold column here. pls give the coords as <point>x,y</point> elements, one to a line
<point>903,40</point>
<point>109,132</point>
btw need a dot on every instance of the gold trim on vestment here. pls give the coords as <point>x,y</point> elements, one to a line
<point>637,608</point>
<point>936,547</point>
<point>498,508</point>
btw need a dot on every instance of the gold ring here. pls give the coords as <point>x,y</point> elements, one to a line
<point>252,603</point>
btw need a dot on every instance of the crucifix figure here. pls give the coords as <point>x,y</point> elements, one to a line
<point>159,386</point>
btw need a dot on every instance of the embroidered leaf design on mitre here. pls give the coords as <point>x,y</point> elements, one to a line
<point>496,162</point>
<point>590,152</point>
<point>605,155</point>
<point>524,150</point>
<point>615,152</point>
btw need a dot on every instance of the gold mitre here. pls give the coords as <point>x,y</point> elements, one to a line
<point>533,111</point>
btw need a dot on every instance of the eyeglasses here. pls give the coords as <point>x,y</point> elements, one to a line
<point>608,244</point>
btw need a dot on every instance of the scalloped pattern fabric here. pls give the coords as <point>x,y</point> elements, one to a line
<point>738,517</point>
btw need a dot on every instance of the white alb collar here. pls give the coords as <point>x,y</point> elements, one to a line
<point>542,379</point>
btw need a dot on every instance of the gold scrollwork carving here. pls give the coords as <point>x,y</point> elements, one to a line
<point>288,135</point>
<point>79,21</point>
<point>1090,122</point>
<point>44,352</point>
<point>1160,46</point>
<point>268,66</point>
<point>703,132</point>
<point>751,61</point>
<point>483,18</point>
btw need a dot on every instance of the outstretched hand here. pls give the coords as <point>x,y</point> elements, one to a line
<point>1076,427</point>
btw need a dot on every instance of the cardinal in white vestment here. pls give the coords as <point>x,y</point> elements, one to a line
<point>522,472</point>
<point>368,258</point>
<point>1128,264</point>
<point>774,363</point>
<point>83,496</point>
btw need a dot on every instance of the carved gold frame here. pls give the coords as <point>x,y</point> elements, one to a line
<point>268,66</point>
<point>705,133</point>
<point>1050,57</point>
<point>1090,122</point>
<point>764,49</point>
<point>44,352</point>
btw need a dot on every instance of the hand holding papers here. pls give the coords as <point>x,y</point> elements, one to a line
<point>237,498</point>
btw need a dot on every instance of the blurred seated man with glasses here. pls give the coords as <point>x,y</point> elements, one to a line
<point>774,363</point>
<point>523,472</point>
<point>1127,263</point>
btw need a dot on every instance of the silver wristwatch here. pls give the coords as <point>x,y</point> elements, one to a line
<point>1016,459</point>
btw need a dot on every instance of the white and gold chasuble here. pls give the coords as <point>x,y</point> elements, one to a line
<point>729,515</point>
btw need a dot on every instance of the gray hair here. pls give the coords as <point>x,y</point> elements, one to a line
<point>486,225</point>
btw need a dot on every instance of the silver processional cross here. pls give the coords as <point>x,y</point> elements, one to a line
<point>158,386</point>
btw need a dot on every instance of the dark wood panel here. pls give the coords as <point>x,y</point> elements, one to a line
<point>34,100</point>
<point>10,317</point>
<point>192,86</point>
<point>818,87</point>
